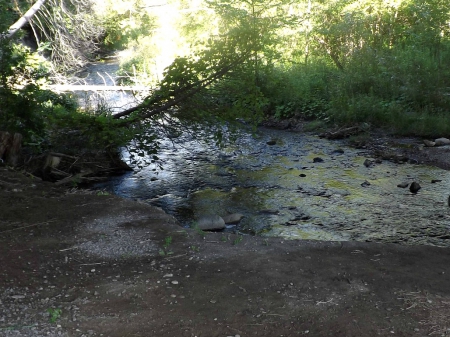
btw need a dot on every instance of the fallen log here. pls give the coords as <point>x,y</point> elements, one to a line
<point>341,133</point>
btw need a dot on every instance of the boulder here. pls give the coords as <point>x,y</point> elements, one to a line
<point>210,223</point>
<point>232,218</point>
<point>429,143</point>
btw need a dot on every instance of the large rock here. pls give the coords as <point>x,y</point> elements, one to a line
<point>232,218</point>
<point>210,223</point>
<point>442,141</point>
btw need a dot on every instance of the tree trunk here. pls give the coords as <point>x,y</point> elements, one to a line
<point>24,19</point>
<point>10,147</point>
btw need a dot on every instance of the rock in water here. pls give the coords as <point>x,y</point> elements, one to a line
<point>367,163</point>
<point>210,223</point>
<point>232,218</point>
<point>415,187</point>
<point>429,143</point>
<point>365,184</point>
<point>317,160</point>
<point>271,142</point>
<point>442,141</point>
<point>403,184</point>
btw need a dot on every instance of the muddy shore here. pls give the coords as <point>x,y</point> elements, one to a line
<point>75,263</point>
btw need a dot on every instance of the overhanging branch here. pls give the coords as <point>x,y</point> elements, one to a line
<point>179,95</point>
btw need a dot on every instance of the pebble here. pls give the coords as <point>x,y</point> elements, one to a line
<point>365,184</point>
<point>367,163</point>
<point>174,282</point>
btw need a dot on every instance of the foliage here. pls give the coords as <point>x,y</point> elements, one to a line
<point>46,119</point>
<point>55,314</point>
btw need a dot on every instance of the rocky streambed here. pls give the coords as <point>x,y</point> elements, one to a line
<point>296,186</point>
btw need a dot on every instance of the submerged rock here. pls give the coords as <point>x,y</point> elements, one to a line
<point>367,163</point>
<point>365,184</point>
<point>403,184</point>
<point>317,160</point>
<point>210,223</point>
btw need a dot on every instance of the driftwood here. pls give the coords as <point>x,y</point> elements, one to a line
<point>341,133</point>
<point>84,169</point>
<point>10,147</point>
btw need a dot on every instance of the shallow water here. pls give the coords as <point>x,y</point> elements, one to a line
<point>283,192</point>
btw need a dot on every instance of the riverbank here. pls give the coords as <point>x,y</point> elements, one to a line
<point>79,263</point>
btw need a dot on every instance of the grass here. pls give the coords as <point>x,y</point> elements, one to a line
<point>55,314</point>
<point>238,239</point>
<point>197,229</point>
<point>165,250</point>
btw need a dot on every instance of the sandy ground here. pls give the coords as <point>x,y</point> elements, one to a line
<point>74,263</point>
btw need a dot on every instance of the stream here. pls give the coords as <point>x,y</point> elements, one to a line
<point>295,186</point>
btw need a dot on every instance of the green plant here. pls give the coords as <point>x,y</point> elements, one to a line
<point>165,250</point>
<point>238,239</point>
<point>197,229</point>
<point>55,314</point>
<point>195,248</point>
<point>103,193</point>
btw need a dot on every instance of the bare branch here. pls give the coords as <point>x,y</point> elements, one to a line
<point>24,19</point>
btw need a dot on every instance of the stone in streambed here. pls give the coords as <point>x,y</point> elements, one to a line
<point>367,163</point>
<point>232,218</point>
<point>365,184</point>
<point>429,143</point>
<point>403,184</point>
<point>442,141</point>
<point>317,160</point>
<point>210,223</point>
<point>415,187</point>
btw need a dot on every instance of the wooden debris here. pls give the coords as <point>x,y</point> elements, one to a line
<point>341,133</point>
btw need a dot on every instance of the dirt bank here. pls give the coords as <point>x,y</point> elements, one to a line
<point>81,264</point>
